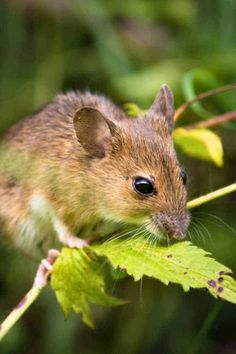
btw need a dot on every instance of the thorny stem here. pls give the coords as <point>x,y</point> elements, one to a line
<point>211,196</point>
<point>19,310</point>
<point>33,294</point>
<point>223,118</point>
<point>179,111</point>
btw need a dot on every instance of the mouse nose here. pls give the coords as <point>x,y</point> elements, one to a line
<point>177,234</point>
<point>174,225</point>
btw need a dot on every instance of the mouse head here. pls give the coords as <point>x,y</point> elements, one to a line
<point>133,168</point>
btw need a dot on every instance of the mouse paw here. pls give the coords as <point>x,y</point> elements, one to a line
<point>75,242</point>
<point>45,269</point>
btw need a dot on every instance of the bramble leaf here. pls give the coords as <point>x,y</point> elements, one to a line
<point>200,143</point>
<point>78,279</point>
<point>78,276</point>
<point>181,263</point>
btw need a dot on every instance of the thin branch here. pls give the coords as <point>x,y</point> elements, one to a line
<point>179,111</point>
<point>223,118</point>
<point>19,310</point>
<point>211,196</point>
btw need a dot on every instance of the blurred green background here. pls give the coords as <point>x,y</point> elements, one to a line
<point>126,50</point>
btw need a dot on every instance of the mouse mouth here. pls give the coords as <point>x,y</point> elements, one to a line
<point>164,225</point>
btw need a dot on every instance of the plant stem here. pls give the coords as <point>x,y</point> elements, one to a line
<point>211,196</point>
<point>19,310</point>
<point>223,118</point>
<point>179,111</point>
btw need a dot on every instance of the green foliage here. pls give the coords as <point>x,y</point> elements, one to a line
<point>200,143</point>
<point>143,86</point>
<point>132,109</point>
<point>79,276</point>
<point>79,279</point>
<point>207,81</point>
<point>126,52</point>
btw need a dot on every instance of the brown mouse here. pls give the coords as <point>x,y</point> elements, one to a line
<point>81,164</point>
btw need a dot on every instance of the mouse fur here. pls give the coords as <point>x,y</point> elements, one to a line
<point>68,170</point>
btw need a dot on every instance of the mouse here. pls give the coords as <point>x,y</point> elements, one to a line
<point>81,166</point>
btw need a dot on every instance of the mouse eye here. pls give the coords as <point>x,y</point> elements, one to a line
<point>143,186</point>
<point>184,177</point>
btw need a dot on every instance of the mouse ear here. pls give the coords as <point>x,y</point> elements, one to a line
<point>94,131</point>
<point>164,106</point>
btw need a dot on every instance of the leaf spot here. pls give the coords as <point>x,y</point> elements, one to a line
<point>211,283</point>
<point>220,279</point>
<point>220,289</point>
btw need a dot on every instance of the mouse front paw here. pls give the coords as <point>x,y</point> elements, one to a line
<point>75,242</point>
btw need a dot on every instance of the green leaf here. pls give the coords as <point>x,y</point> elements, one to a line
<point>204,78</point>
<point>78,279</point>
<point>200,143</point>
<point>133,110</point>
<point>79,276</point>
<point>181,263</point>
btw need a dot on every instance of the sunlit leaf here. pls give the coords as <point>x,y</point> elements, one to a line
<point>79,279</point>
<point>181,263</point>
<point>79,276</point>
<point>200,143</point>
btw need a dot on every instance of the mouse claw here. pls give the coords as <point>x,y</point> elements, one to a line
<point>45,269</point>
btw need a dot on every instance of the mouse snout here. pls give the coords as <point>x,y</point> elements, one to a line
<point>173,225</point>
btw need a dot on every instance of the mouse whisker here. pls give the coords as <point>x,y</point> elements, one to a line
<point>124,233</point>
<point>200,232</point>
<point>216,221</point>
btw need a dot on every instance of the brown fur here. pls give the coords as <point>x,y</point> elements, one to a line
<point>82,189</point>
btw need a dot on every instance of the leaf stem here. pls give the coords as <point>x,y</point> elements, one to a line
<point>179,111</point>
<point>19,310</point>
<point>223,118</point>
<point>211,196</point>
